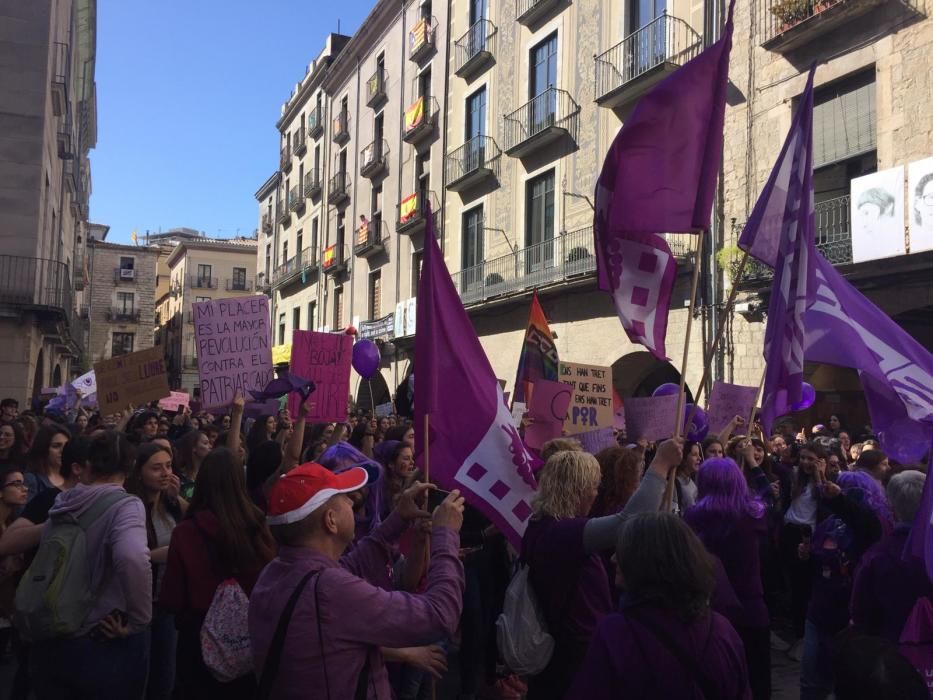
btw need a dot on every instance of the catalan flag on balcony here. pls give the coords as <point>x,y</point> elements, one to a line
<point>330,257</point>
<point>414,115</point>
<point>408,208</point>
<point>418,36</point>
<point>362,233</point>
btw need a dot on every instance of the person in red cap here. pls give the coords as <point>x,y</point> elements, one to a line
<point>316,618</point>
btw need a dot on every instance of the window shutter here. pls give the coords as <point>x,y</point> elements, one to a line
<point>844,120</point>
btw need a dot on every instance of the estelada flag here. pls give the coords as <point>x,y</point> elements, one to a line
<point>539,358</point>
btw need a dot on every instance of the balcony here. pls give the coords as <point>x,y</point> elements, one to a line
<point>376,88</point>
<point>121,274</point>
<point>285,159</point>
<point>61,77</point>
<point>312,184</point>
<point>420,121</point>
<point>42,287</point>
<point>283,213</point>
<point>786,25</point>
<point>550,117</point>
<point>475,50</point>
<point>301,266</point>
<point>644,58</point>
<point>267,223</point>
<point>296,200</point>
<point>421,39</point>
<point>371,237</point>
<point>263,283</point>
<point>412,212</point>
<point>475,162</point>
<point>531,12</point>
<point>338,190</point>
<point>199,282</point>
<point>120,315</point>
<point>340,128</point>
<point>315,123</point>
<point>238,285</point>
<point>334,259</point>
<point>373,159</point>
<point>299,143</point>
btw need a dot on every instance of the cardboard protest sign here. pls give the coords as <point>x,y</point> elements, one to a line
<point>86,384</point>
<point>726,401</point>
<point>550,401</point>
<point>518,412</point>
<point>591,405</point>
<point>540,431</point>
<point>384,410</point>
<point>324,358</point>
<point>137,379</point>
<point>597,440</point>
<point>175,401</point>
<point>651,418</point>
<point>234,342</point>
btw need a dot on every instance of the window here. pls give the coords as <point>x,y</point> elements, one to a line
<point>539,221</point>
<point>268,259</point>
<point>281,329</point>
<point>312,315</point>
<point>844,119</point>
<point>650,44</point>
<point>317,163</point>
<point>127,263</point>
<point>425,10</point>
<point>340,230</point>
<point>202,298</point>
<point>122,344</point>
<point>375,295</point>
<point>296,318</point>
<point>126,303</point>
<point>424,87</point>
<point>378,135</point>
<point>477,11</point>
<point>204,275</point>
<point>301,181</point>
<point>338,308</point>
<point>476,114</point>
<point>302,122</point>
<point>422,177</point>
<point>416,259</point>
<point>543,67</point>
<point>472,248</point>
<point>342,166</point>
<point>299,239</point>
<point>314,234</point>
<point>375,202</point>
<point>284,252</point>
<point>239,279</point>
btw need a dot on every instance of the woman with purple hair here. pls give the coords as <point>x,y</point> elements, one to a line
<point>859,515</point>
<point>731,524</point>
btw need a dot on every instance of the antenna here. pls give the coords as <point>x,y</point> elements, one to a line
<point>338,25</point>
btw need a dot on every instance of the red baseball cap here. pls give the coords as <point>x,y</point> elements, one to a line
<point>297,494</point>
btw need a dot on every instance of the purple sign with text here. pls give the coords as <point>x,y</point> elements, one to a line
<point>233,338</point>
<point>651,418</point>
<point>726,401</point>
<point>324,358</point>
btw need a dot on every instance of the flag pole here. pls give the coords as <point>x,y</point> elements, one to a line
<point>678,417</point>
<point>427,448</point>
<point>751,416</point>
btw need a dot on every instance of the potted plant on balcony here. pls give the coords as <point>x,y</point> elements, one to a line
<point>792,12</point>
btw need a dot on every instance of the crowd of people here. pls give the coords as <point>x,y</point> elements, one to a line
<point>153,555</point>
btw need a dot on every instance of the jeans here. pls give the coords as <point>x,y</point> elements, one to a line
<point>85,669</point>
<point>162,642</point>
<point>816,668</point>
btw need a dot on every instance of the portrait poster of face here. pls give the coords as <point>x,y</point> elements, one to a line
<point>878,215</point>
<point>920,204</point>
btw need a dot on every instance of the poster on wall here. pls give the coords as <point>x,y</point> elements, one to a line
<point>920,204</point>
<point>878,215</point>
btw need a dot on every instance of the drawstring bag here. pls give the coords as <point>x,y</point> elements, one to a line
<point>225,644</point>
<point>916,640</point>
<point>521,632</point>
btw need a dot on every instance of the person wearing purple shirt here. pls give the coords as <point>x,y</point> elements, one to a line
<point>562,549</point>
<point>732,525</point>
<point>338,618</point>
<point>886,584</point>
<point>665,642</point>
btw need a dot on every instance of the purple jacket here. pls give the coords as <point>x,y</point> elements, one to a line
<point>119,554</point>
<point>886,586</point>
<point>356,616</point>
<point>627,660</point>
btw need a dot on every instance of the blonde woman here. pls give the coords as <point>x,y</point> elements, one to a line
<point>562,549</point>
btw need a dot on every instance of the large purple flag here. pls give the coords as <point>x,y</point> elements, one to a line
<point>659,176</point>
<point>474,445</point>
<point>781,231</point>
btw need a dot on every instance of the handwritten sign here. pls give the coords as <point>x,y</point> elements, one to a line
<point>651,418</point>
<point>591,405</point>
<point>175,401</point>
<point>726,401</point>
<point>324,358</point>
<point>597,440</point>
<point>137,379</point>
<point>550,401</point>
<point>539,432</point>
<point>234,342</point>
<point>518,412</point>
<point>86,384</point>
<point>384,410</point>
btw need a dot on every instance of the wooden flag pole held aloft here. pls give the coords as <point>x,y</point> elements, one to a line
<point>678,417</point>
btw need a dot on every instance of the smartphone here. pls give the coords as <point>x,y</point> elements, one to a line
<point>435,498</point>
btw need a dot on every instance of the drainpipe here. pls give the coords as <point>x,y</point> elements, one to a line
<point>351,264</point>
<point>443,121</point>
<point>401,126</point>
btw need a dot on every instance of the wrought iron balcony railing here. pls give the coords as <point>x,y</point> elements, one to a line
<point>299,142</point>
<point>376,88</point>
<point>472,163</point>
<point>296,199</point>
<point>340,127</point>
<point>315,123</point>
<point>533,11</point>
<point>120,315</point>
<point>370,236</point>
<point>199,282</point>
<point>238,285</point>
<point>285,159</point>
<point>283,213</point>
<point>476,49</point>
<point>307,262</point>
<point>420,120</point>
<point>312,184</point>
<point>38,285</point>
<point>549,116</point>
<point>374,159</point>
<point>338,190</point>
<point>267,223</point>
<point>413,209</point>
<point>421,39</point>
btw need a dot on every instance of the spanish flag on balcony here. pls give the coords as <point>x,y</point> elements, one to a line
<point>408,208</point>
<point>418,36</point>
<point>414,115</point>
<point>330,257</point>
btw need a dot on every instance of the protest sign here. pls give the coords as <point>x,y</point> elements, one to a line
<point>137,379</point>
<point>518,412</point>
<point>175,401</point>
<point>550,401</point>
<point>86,384</point>
<point>597,440</point>
<point>726,401</point>
<point>651,417</point>
<point>323,358</point>
<point>384,410</point>
<point>591,405</point>
<point>540,431</point>
<point>234,342</point>
<point>257,409</point>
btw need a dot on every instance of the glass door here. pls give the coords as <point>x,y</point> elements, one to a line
<point>475,127</point>
<point>649,44</point>
<point>539,227</point>
<point>543,76</point>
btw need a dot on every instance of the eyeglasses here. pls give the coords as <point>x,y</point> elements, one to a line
<point>16,484</point>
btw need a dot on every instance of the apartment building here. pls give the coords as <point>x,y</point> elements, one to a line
<point>201,270</point>
<point>48,123</point>
<point>120,305</point>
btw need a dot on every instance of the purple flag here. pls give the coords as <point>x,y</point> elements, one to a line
<point>474,445</point>
<point>659,176</point>
<point>781,229</point>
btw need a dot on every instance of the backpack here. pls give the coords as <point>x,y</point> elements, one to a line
<point>55,597</point>
<point>521,632</point>
<point>916,641</point>
<point>225,644</point>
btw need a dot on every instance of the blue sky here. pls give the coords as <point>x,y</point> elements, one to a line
<point>188,93</point>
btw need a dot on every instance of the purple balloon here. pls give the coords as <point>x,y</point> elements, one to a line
<point>668,389</point>
<point>912,443</point>
<point>807,398</point>
<point>698,429</point>
<point>366,358</point>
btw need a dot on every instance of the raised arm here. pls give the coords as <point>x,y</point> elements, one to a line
<point>236,421</point>
<point>293,449</point>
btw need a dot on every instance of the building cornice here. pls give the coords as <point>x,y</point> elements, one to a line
<point>268,186</point>
<point>378,22</point>
<point>245,246</point>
